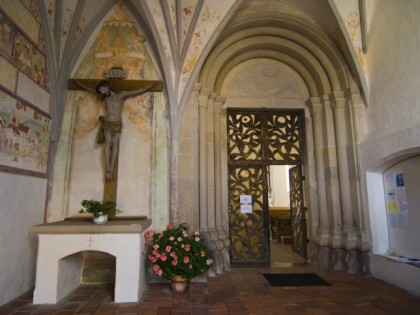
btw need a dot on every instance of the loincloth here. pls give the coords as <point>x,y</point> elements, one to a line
<point>113,127</point>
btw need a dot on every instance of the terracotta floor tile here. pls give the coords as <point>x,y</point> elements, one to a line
<point>238,291</point>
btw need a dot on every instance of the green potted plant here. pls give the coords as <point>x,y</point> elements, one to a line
<point>100,209</point>
<point>176,254</point>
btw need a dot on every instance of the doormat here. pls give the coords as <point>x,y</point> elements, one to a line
<point>294,279</point>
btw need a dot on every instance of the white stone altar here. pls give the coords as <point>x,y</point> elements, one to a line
<point>60,260</point>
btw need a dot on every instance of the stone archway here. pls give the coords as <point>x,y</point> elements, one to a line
<point>331,101</point>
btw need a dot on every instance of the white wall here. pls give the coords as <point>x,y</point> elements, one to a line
<point>392,116</point>
<point>278,182</point>
<point>22,207</point>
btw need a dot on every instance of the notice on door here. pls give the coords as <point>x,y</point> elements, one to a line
<point>246,203</point>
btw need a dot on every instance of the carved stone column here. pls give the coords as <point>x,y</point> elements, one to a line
<point>323,229</point>
<point>203,99</point>
<point>331,176</point>
<point>217,161</point>
<point>349,241</point>
<point>222,242</point>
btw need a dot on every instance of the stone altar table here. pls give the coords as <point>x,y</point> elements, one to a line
<point>60,261</point>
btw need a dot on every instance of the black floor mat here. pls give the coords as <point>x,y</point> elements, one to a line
<point>294,279</point>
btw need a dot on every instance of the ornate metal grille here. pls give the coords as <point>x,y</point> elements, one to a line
<point>247,230</point>
<point>284,137</point>
<point>244,136</point>
<point>257,139</point>
<point>297,211</point>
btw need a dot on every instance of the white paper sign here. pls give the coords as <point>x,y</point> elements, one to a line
<point>245,199</point>
<point>246,208</point>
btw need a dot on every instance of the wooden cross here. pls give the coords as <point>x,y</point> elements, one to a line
<point>117,85</point>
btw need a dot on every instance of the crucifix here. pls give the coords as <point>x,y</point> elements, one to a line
<point>113,91</point>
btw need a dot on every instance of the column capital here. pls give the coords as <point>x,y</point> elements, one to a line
<point>338,101</point>
<point>203,97</point>
<point>218,103</point>
<point>315,106</point>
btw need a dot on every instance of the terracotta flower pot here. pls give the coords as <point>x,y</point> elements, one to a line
<point>179,283</point>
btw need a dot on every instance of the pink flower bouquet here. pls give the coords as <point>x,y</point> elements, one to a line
<point>177,252</point>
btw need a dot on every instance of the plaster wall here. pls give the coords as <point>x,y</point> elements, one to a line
<point>393,120</point>
<point>22,207</point>
<point>23,82</point>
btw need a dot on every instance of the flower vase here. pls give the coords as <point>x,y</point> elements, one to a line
<point>179,283</point>
<point>102,219</point>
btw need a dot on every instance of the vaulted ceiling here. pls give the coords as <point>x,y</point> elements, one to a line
<point>304,34</point>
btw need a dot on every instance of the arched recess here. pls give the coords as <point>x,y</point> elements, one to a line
<point>331,99</point>
<point>144,119</point>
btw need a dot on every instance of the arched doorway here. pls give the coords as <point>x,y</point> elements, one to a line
<point>256,140</point>
<point>288,66</point>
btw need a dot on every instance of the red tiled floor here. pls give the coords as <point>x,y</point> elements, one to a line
<point>239,291</point>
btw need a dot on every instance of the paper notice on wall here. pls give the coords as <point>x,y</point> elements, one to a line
<point>396,198</point>
<point>245,199</point>
<point>246,208</point>
<point>246,203</point>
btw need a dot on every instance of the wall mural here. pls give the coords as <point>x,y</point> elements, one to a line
<point>24,137</point>
<point>118,44</point>
<point>24,129</point>
<point>20,51</point>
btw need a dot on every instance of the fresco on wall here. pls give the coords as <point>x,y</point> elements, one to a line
<point>32,7</point>
<point>7,32</point>
<point>118,44</point>
<point>349,12</point>
<point>24,136</point>
<point>25,55</point>
<point>29,60</point>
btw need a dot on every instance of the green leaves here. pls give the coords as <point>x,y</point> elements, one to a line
<point>98,208</point>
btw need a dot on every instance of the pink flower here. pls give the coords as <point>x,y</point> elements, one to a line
<point>168,248</point>
<point>209,262</point>
<point>163,257</point>
<point>173,254</point>
<point>186,260</point>
<point>156,253</point>
<point>197,239</point>
<point>169,227</point>
<point>152,258</point>
<point>174,262</point>
<point>187,247</point>
<point>203,253</point>
<point>157,270</point>
<point>156,246</point>
<point>180,239</point>
<point>171,238</point>
<point>182,245</point>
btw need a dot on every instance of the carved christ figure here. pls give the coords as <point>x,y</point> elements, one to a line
<point>111,124</point>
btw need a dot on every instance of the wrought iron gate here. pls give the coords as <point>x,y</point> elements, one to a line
<point>298,211</point>
<point>257,139</point>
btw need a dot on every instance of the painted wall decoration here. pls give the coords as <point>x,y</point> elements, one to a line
<point>7,33</point>
<point>24,137</point>
<point>118,44</point>
<point>350,13</point>
<point>25,55</point>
